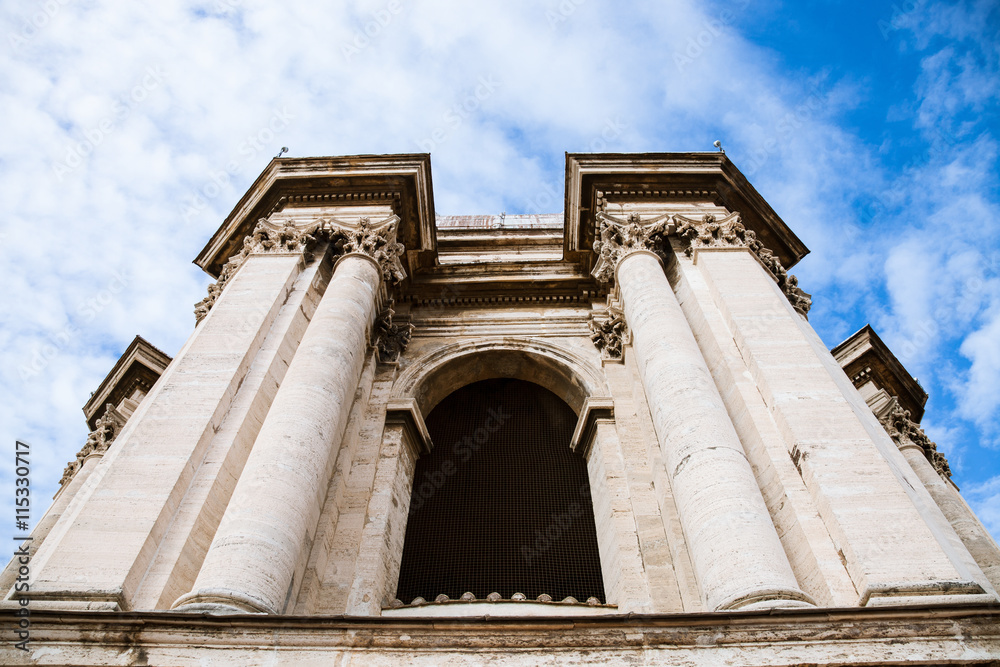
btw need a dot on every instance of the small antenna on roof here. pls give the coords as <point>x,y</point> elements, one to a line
<point>718,144</point>
<point>284,149</point>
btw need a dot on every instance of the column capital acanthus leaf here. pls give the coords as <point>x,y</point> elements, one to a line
<point>376,240</point>
<point>903,430</point>
<point>266,238</point>
<point>373,239</point>
<point>390,339</point>
<point>617,238</point>
<point>106,429</point>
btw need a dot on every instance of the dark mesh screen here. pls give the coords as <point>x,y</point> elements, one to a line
<point>501,503</point>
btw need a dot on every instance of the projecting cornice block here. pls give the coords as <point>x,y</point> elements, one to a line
<point>399,182</point>
<point>668,177</point>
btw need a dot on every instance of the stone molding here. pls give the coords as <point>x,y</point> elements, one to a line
<point>904,430</point>
<point>617,238</point>
<point>610,334</point>
<point>109,425</point>
<point>375,240</point>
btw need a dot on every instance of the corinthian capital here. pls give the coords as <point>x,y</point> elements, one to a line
<point>904,430</point>
<point>617,239</point>
<point>266,237</point>
<point>106,430</point>
<point>710,232</point>
<point>376,240</point>
<point>609,334</point>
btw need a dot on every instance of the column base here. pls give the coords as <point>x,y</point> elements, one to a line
<point>768,599</point>
<point>219,601</point>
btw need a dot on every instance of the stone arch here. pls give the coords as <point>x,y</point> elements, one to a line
<point>429,379</point>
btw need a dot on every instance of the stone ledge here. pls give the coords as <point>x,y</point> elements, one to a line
<point>958,634</point>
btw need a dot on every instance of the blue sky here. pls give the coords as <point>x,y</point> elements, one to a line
<point>131,129</point>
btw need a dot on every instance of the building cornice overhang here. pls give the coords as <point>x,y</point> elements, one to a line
<point>139,354</point>
<point>622,177</point>
<point>865,350</point>
<point>402,181</point>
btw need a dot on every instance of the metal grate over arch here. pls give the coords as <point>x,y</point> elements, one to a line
<point>501,504</point>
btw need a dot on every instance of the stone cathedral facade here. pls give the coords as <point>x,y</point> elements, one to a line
<point>608,436</point>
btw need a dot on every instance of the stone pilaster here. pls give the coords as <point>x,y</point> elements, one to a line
<point>269,524</point>
<point>735,548</point>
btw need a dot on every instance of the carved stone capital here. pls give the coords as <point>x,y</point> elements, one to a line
<point>904,430</point>
<point>712,233</point>
<point>617,239</point>
<point>390,339</point>
<point>266,237</point>
<point>376,240</point>
<point>609,334</point>
<point>107,429</point>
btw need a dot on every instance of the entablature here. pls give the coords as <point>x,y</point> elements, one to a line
<point>313,188</point>
<point>676,183</point>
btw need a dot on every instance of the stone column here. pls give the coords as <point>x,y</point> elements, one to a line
<point>270,521</point>
<point>916,448</point>
<point>734,546</point>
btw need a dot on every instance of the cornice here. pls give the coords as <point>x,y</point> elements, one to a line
<point>864,356</point>
<point>139,352</point>
<point>402,182</point>
<point>670,178</point>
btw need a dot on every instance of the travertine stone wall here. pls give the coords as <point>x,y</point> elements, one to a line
<point>625,582</point>
<point>646,487</point>
<point>842,463</point>
<point>380,553</point>
<point>106,540</point>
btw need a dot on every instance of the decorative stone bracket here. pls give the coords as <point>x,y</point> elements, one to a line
<point>618,238</point>
<point>610,334</point>
<point>107,429</point>
<point>904,430</point>
<point>376,240</point>
<point>390,339</point>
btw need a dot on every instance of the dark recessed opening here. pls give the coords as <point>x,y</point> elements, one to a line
<point>501,504</point>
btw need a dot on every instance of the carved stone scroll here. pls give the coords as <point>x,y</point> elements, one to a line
<point>609,334</point>
<point>391,339</point>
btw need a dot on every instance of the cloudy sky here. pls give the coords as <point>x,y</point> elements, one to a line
<point>130,129</point>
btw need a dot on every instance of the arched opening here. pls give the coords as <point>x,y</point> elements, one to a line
<point>501,504</point>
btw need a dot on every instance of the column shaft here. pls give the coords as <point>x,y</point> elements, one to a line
<point>973,535</point>
<point>269,523</point>
<point>735,548</point>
